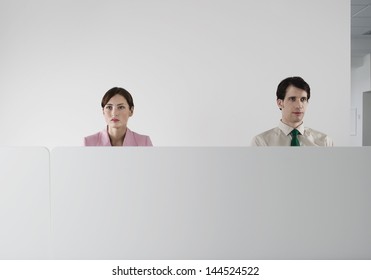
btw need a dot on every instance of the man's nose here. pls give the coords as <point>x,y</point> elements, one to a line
<point>299,103</point>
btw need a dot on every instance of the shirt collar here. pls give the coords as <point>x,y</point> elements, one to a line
<point>286,129</point>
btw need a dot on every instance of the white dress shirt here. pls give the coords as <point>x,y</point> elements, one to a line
<point>280,136</point>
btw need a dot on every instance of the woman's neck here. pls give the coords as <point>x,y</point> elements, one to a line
<point>117,135</point>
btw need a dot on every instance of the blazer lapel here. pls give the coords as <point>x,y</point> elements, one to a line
<point>129,139</point>
<point>105,138</point>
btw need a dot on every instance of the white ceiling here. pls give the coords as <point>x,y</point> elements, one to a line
<point>360,24</point>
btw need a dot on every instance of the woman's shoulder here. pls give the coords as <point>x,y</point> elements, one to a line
<point>136,139</point>
<point>96,139</point>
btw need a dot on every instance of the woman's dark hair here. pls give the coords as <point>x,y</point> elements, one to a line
<point>120,91</point>
<point>292,81</point>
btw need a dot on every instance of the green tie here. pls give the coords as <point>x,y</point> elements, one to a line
<point>295,140</point>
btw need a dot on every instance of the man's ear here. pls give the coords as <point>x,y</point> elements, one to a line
<point>280,103</point>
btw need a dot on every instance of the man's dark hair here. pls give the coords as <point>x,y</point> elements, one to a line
<point>292,81</point>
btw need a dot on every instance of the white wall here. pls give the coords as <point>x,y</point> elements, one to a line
<point>202,73</point>
<point>361,82</point>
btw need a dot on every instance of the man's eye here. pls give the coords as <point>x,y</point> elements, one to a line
<point>303,99</point>
<point>292,98</point>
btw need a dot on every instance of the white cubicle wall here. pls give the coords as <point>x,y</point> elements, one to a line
<point>24,203</point>
<point>185,203</point>
<point>211,203</point>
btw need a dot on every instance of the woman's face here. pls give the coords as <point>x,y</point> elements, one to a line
<point>117,112</point>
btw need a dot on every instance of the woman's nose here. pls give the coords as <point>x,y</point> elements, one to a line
<point>114,112</point>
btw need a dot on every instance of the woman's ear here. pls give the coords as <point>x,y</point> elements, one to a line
<point>131,111</point>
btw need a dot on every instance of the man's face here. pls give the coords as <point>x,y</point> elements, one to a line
<point>293,106</point>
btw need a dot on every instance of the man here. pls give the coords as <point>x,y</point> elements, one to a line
<point>293,94</point>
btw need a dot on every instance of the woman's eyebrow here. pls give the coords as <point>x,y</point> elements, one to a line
<point>114,104</point>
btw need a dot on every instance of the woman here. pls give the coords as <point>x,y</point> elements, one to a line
<point>118,107</point>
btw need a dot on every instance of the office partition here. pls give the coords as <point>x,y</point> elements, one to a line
<point>24,203</point>
<point>211,203</point>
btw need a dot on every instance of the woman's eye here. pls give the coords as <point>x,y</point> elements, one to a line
<point>109,107</point>
<point>121,107</point>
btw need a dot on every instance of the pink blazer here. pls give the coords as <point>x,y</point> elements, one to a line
<point>131,139</point>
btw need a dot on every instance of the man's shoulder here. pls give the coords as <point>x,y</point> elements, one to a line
<point>315,133</point>
<point>275,130</point>
<point>264,138</point>
<point>318,137</point>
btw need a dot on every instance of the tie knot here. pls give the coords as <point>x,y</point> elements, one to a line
<point>294,136</point>
<point>295,132</point>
